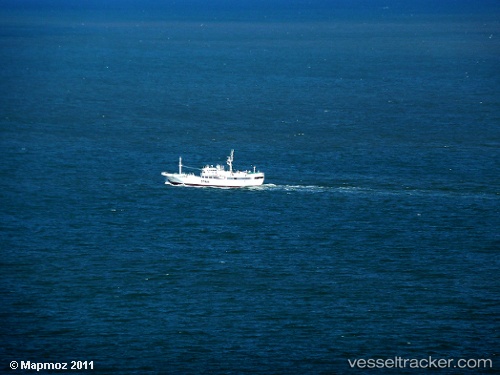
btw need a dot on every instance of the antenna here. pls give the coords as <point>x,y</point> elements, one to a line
<point>230,159</point>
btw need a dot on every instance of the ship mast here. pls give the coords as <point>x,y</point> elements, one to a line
<point>230,159</point>
<point>180,165</point>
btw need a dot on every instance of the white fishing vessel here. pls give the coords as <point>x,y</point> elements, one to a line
<point>216,176</point>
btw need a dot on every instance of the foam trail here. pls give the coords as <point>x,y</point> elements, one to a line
<point>295,188</point>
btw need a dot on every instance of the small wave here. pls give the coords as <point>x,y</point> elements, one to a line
<point>363,191</point>
<point>295,188</point>
<point>370,191</point>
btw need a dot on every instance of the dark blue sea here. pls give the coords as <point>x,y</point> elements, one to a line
<point>376,234</point>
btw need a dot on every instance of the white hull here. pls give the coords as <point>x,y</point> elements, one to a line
<point>256,179</point>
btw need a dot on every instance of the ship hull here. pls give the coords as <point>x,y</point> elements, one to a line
<point>255,179</point>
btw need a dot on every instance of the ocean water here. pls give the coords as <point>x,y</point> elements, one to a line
<point>375,234</point>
